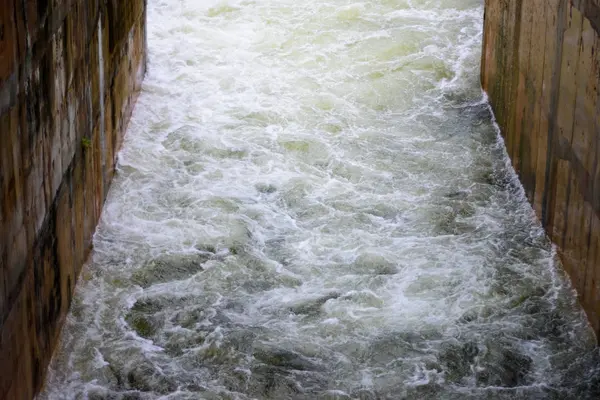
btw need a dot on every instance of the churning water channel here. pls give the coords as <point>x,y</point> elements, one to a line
<point>312,202</point>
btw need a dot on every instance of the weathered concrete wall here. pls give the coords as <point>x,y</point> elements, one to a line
<point>69,74</point>
<point>541,69</point>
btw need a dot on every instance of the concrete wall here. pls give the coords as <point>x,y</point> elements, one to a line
<point>541,69</point>
<point>69,74</point>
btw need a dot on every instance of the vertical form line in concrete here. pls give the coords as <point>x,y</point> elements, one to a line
<point>513,91</point>
<point>483,69</point>
<point>582,133</point>
<point>523,102</point>
<point>537,203</point>
<point>550,181</point>
<point>591,289</point>
<point>575,65</point>
<point>102,127</point>
<point>536,118</point>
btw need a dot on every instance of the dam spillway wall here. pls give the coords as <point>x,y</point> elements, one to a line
<point>69,74</point>
<point>541,70</point>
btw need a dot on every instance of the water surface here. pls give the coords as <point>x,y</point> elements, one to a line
<point>312,202</point>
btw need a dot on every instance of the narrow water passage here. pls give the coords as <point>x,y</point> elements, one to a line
<point>312,202</point>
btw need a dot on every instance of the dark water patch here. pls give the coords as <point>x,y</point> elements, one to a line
<point>503,364</point>
<point>273,383</point>
<point>313,307</point>
<point>176,343</point>
<point>582,376</point>
<point>285,359</point>
<point>393,347</point>
<point>169,268</point>
<point>105,394</point>
<point>137,372</point>
<point>373,264</point>
<point>458,360</point>
<point>266,188</point>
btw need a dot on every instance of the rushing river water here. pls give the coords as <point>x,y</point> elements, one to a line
<point>312,202</point>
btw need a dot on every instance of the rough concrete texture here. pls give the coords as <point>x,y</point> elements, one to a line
<point>541,70</point>
<point>69,74</point>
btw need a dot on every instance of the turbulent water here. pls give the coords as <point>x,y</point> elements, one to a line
<point>312,202</point>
